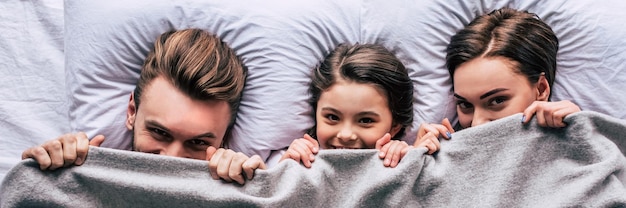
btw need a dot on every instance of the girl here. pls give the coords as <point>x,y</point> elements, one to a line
<point>501,64</point>
<point>362,98</point>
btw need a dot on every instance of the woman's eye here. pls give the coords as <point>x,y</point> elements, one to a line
<point>464,105</point>
<point>497,101</point>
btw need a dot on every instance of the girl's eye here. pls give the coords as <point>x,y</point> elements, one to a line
<point>464,104</point>
<point>497,100</point>
<point>366,120</point>
<point>332,117</point>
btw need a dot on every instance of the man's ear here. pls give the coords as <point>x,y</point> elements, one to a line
<point>131,112</point>
<point>395,129</point>
<point>543,88</point>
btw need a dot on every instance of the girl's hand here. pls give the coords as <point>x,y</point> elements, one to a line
<point>69,149</point>
<point>550,114</point>
<point>231,166</point>
<point>391,151</point>
<point>302,150</point>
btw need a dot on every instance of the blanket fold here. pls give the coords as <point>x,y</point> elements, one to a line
<point>500,164</point>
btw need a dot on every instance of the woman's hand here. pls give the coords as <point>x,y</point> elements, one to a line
<point>550,114</point>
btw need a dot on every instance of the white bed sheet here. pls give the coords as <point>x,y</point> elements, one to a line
<point>33,100</point>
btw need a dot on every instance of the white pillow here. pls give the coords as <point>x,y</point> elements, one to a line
<point>280,41</point>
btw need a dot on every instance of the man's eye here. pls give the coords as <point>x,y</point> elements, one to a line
<point>199,142</point>
<point>464,105</point>
<point>159,132</point>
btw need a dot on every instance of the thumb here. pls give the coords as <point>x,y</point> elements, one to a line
<point>210,152</point>
<point>445,122</point>
<point>97,140</point>
<point>310,138</point>
<point>382,141</point>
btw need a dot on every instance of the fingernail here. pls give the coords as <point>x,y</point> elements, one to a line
<point>79,161</point>
<point>523,118</point>
<point>449,135</point>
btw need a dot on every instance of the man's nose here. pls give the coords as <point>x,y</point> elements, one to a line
<point>175,149</point>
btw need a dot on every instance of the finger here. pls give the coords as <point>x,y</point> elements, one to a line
<point>68,145</point>
<point>381,144</point>
<point>54,149</point>
<point>255,162</point>
<point>210,151</point>
<point>214,162</point>
<point>437,144</point>
<point>430,128</point>
<point>383,140</point>
<point>40,155</point>
<point>82,147</point>
<point>223,166</point>
<point>445,122</point>
<point>396,153</point>
<point>97,140</point>
<point>529,112</point>
<point>313,144</point>
<point>540,116</point>
<point>236,168</point>
<point>303,153</point>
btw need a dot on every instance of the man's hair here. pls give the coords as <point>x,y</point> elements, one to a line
<point>367,64</point>
<point>199,64</point>
<point>519,36</point>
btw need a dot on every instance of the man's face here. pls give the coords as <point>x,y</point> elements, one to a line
<point>169,122</point>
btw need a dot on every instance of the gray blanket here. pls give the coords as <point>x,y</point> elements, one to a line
<point>500,164</point>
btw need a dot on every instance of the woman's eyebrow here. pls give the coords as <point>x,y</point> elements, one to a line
<point>494,91</point>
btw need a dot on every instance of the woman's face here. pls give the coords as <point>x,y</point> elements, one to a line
<point>488,88</point>
<point>351,115</point>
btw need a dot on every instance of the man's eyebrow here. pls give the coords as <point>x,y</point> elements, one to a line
<point>162,127</point>
<point>208,134</point>
<point>157,125</point>
<point>494,91</point>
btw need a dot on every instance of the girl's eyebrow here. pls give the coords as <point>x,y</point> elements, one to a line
<point>494,91</point>
<point>367,113</point>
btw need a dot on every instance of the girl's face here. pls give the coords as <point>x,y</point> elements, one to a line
<point>488,88</point>
<point>351,115</point>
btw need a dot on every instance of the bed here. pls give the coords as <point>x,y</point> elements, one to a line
<point>69,66</point>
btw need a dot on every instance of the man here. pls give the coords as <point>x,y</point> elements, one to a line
<point>184,104</point>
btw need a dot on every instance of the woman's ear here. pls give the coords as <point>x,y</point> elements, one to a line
<point>131,112</point>
<point>395,129</point>
<point>543,88</point>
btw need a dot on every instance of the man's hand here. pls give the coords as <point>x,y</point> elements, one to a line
<point>69,149</point>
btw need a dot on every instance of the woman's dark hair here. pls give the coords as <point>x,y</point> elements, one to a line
<point>519,36</point>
